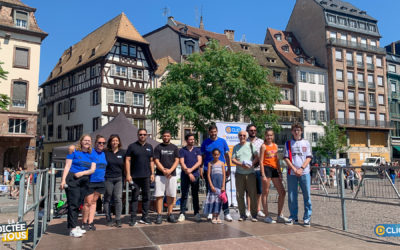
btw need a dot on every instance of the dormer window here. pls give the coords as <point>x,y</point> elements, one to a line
<point>323,2</point>
<point>285,48</point>
<point>244,47</point>
<point>59,61</point>
<point>21,19</point>
<point>60,69</point>
<point>343,8</point>
<point>289,38</point>
<point>278,37</point>
<point>271,60</point>
<point>297,51</point>
<point>363,12</point>
<point>334,5</point>
<point>263,49</point>
<point>80,59</point>
<point>353,10</point>
<point>93,52</point>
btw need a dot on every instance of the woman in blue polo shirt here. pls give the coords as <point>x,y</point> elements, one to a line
<point>96,184</point>
<point>78,166</point>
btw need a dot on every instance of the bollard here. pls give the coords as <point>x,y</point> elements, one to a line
<point>342,200</point>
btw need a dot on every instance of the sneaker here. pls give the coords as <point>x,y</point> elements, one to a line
<point>248,214</point>
<point>133,222</point>
<point>82,231</point>
<point>228,217</point>
<point>254,219</point>
<point>209,217</point>
<point>92,227</point>
<point>145,220</point>
<point>118,223</point>
<point>85,227</point>
<point>158,219</point>
<point>307,223</point>
<point>260,213</point>
<point>181,218</point>
<point>109,222</point>
<point>197,217</point>
<point>242,218</point>
<point>291,222</point>
<point>282,219</point>
<point>75,233</point>
<point>269,220</point>
<point>171,218</point>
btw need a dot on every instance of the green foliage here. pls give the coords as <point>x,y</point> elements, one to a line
<point>4,99</point>
<point>333,142</point>
<point>216,85</point>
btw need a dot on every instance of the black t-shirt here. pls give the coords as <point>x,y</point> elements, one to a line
<point>140,159</point>
<point>166,153</point>
<point>115,163</point>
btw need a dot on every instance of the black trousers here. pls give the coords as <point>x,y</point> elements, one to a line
<point>76,191</point>
<point>142,184</point>
<point>185,183</point>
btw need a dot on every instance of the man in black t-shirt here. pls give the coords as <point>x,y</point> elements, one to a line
<point>139,168</point>
<point>166,157</point>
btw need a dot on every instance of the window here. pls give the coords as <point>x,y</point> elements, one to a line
<point>17,126</point>
<point>340,95</point>
<point>321,79</point>
<point>338,54</point>
<point>321,97</point>
<point>277,75</point>
<point>370,79</point>
<point>369,59</point>
<point>382,117</point>
<point>322,116</point>
<point>70,133</point>
<point>350,76</point>
<point>371,98</point>
<point>81,77</point>
<point>305,115</point>
<point>373,43</point>
<point>314,137</point>
<point>303,76</point>
<point>372,116</point>
<point>342,21</point>
<point>361,98</point>
<point>362,25</point>
<point>19,94</point>
<point>96,122</point>
<point>132,51</point>
<point>341,115</point>
<point>271,60</point>
<point>381,100</point>
<point>138,99</point>
<point>311,77</point>
<point>339,75</point>
<point>301,60</point>
<point>124,49</point>
<point>285,48</point>
<point>93,71</point>
<point>312,96</point>
<point>139,123</point>
<point>189,47</point>
<point>332,34</point>
<point>353,23</point>
<point>372,27</point>
<point>380,80</point>
<point>362,116</point>
<point>379,62</point>
<point>353,40</point>
<point>59,109</point>
<point>304,95</point>
<point>72,105</point>
<point>278,37</point>
<point>392,68</point>
<point>119,96</point>
<point>393,86</point>
<point>95,97</point>
<point>21,19</point>
<point>120,71</point>
<point>21,58</point>
<point>50,130</point>
<point>287,95</point>
<point>343,37</point>
<point>349,56</point>
<point>59,132</point>
<point>350,97</point>
<point>359,59</point>
<point>313,116</point>
<point>360,77</point>
<point>135,74</point>
<point>331,18</point>
<point>352,117</point>
<point>78,130</point>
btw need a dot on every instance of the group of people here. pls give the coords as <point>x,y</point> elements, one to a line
<point>88,173</point>
<point>12,178</point>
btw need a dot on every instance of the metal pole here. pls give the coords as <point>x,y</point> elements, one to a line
<point>126,198</point>
<point>46,201</point>
<point>21,210</point>
<point>342,201</point>
<point>36,209</point>
<point>52,189</point>
<point>391,183</point>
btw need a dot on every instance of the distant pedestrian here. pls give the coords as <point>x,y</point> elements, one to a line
<point>351,179</point>
<point>392,173</point>
<point>6,176</point>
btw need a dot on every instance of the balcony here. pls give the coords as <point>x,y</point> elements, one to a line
<point>362,103</point>
<point>395,95</point>
<point>360,65</point>
<point>372,104</point>
<point>359,46</point>
<point>351,83</point>
<point>361,84</point>
<point>371,85</point>
<point>370,66</point>
<point>363,123</point>
<point>350,63</point>
<point>352,102</point>
<point>289,119</point>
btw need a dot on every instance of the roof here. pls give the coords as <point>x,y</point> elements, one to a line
<point>7,20</point>
<point>162,64</point>
<point>119,125</point>
<point>102,40</point>
<point>343,7</point>
<point>294,51</point>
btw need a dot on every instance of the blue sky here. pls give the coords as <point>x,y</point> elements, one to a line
<point>69,21</point>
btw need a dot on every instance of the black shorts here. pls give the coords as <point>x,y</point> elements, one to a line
<point>98,187</point>
<point>271,172</point>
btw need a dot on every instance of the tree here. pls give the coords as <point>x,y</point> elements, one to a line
<point>333,142</point>
<point>216,85</point>
<point>4,99</point>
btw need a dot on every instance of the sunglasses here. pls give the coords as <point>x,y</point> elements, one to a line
<point>142,134</point>
<point>100,142</point>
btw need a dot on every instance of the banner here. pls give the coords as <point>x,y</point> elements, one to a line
<point>229,131</point>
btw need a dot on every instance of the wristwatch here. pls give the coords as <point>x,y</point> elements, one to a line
<point>302,167</point>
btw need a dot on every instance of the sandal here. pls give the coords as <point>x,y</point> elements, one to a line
<point>214,221</point>
<point>219,221</point>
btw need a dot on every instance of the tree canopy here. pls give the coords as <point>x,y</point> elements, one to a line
<point>215,85</point>
<point>333,142</point>
<point>4,99</point>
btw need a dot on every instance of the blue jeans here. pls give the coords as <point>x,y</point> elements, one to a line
<point>304,182</point>
<point>393,177</point>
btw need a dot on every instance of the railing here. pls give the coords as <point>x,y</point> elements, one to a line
<point>364,123</point>
<point>372,104</point>
<point>362,103</point>
<point>290,119</point>
<point>352,102</point>
<point>353,45</point>
<point>360,65</point>
<point>351,83</point>
<point>361,84</point>
<point>395,95</point>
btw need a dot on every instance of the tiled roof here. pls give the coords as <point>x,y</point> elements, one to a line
<point>102,40</point>
<point>343,7</point>
<point>162,64</point>
<point>288,47</point>
<point>6,16</point>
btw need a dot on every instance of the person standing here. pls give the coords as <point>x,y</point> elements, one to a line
<point>271,170</point>
<point>139,167</point>
<point>207,147</point>
<point>166,157</point>
<point>79,164</point>
<point>190,160</point>
<point>96,185</point>
<point>297,155</point>
<point>244,157</point>
<point>5,176</point>
<point>115,157</point>
<point>257,143</point>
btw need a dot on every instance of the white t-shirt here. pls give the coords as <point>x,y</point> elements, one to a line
<point>301,150</point>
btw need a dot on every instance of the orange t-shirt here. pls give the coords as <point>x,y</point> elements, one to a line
<point>271,156</point>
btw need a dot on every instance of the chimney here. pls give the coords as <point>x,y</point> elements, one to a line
<point>201,23</point>
<point>171,21</point>
<point>393,45</point>
<point>230,34</point>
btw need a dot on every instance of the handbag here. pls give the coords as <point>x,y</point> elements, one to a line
<point>222,196</point>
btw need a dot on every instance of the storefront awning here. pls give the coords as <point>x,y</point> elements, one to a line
<point>286,107</point>
<point>397,148</point>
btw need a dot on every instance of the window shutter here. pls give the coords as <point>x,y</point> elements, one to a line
<point>19,92</point>
<point>130,73</point>
<point>146,75</point>
<point>21,57</point>
<point>92,97</point>
<point>110,96</point>
<point>112,69</point>
<point>87,73</point>
<point>66,106</point>
<point>129,98</point>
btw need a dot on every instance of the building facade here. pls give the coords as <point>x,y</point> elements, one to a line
<point>345,40</point>
<point>20,42</point>
<point>107,72</point>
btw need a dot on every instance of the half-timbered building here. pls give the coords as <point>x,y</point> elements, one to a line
<point>107,72</point>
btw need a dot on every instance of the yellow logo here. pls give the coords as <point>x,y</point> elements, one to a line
<point>380,230</point>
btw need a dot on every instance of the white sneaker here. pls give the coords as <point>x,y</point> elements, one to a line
<point>269,220</point>
<point>282,219</point>
<point>197,218</point>
<point>228,217</point>
<point>81,230</point>
<point>209,217</point>
<point>181,218</point>
<point>248,214</point>
<point>75,233</point>
<point>260,213</point>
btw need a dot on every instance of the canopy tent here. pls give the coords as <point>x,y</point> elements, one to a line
<point>119,125</point>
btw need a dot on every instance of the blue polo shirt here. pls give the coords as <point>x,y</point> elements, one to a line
<point>81,161</point>
<point>101,163</point>
<point>209,145</point>
<point>190,158</point>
